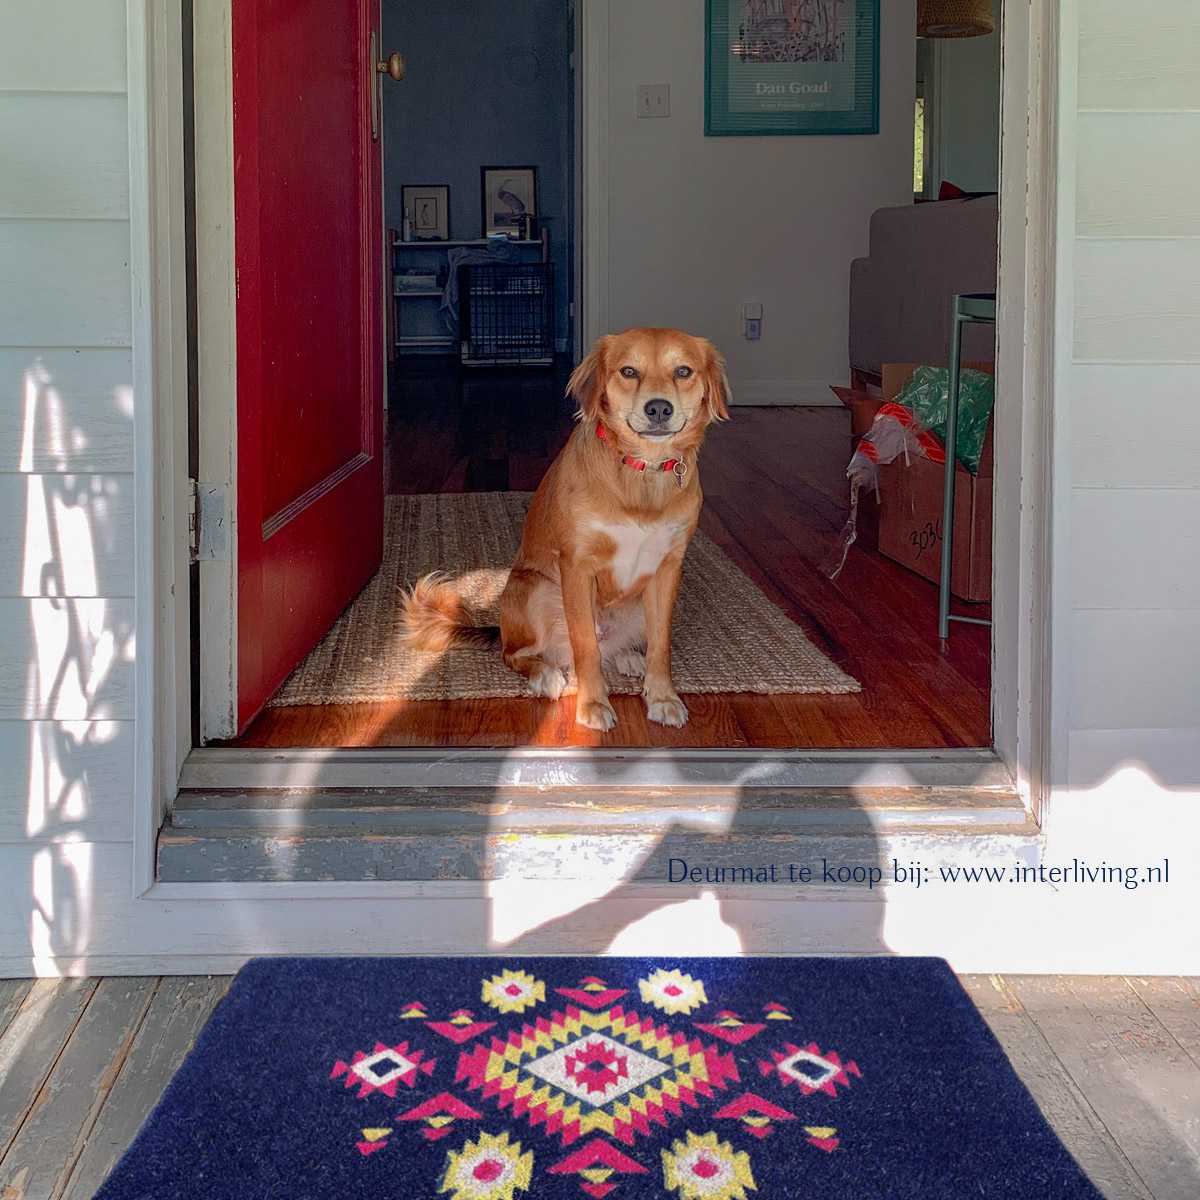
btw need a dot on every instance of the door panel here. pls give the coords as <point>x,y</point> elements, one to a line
<point>309,248</point>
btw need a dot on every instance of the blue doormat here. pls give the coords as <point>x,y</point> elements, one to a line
<point>587,1078</point>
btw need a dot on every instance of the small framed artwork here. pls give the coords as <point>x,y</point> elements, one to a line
<point>427,206</point>
<point>509,196</point>
<point>791,67</point>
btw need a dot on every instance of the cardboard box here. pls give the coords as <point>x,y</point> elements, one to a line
<point>910,519</point>
<point>862,406</point>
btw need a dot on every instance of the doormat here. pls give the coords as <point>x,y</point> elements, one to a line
<point>570,1078</point>
<point>727,636</point>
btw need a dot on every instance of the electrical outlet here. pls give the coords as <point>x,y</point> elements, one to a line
<point>752,317</point>
<point>654,100</point>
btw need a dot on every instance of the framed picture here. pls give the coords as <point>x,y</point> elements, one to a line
<point>427,206</point>
<point>509,195</point>
<point>791,67</point>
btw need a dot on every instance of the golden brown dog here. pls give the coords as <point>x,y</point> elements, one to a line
<point>602,548</point>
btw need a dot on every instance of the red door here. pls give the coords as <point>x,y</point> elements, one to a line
<point>308,203</point>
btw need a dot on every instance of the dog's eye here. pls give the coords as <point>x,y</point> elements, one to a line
<point>684,372</point>
<point>629,372</point>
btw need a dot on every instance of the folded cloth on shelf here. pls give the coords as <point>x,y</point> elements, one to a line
<point>495,251</point>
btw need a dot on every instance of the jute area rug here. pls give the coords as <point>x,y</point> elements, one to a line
<point>728,637</point>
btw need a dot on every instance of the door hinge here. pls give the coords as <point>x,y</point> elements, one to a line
<point>208,522</point>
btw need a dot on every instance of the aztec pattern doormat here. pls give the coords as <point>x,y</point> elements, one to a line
<point>594,1078</point>
<point>728,636</point>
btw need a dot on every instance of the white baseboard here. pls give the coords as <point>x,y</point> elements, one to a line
<point>806,392</point>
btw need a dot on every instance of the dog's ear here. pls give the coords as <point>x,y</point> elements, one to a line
<point>588,381</point>
<point>716,384</point>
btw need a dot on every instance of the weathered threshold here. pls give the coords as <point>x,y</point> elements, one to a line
<point>277,835</point>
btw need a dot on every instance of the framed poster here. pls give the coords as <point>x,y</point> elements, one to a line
<point>509,195</point>
<point>427,206</point>
<point>791,67</point>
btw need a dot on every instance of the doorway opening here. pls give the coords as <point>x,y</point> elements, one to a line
<point>821,241</point>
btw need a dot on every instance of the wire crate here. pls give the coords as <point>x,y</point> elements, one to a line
<point>506,314</point>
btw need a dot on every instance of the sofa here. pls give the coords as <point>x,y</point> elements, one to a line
<point>921,256</point>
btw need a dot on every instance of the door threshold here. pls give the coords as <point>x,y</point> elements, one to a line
<point>562,835</point>
<point>415,817</point>
<point>231,768</point>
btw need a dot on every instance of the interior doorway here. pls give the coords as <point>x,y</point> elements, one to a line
<point>774,477</point>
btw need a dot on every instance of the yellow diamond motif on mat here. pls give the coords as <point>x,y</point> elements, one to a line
<point>704,1168</point>
<point>513,991</point>
<point>672,991</point>
<point>375,1135</point>
<point>491,1168</point>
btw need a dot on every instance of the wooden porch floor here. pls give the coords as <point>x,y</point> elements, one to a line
<point>1114,1064</point>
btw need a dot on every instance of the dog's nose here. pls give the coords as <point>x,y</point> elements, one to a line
<point>659,410</point>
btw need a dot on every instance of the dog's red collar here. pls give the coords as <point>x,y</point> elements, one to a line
<point>640,464</point>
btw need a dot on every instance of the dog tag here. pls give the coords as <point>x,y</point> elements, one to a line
<point>680,470</point>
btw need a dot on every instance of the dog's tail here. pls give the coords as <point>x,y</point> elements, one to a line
<point>434,617</point>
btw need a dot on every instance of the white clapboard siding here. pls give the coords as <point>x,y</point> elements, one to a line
<point>1139,55</point>
<point>66,456</point>
<point>1134,426</point>
<point>62,45</point>
<point>64,155</point>
<point>65,780</point>
<point>1139,174</point>
<point>70,660</point>
<point>64,283</point>
<point>1135,548</point>
<point>1137,300</point>
<point>66,410</point>
<point>66,535</point>
<point>1134,669</point>
<point>1133,554</point>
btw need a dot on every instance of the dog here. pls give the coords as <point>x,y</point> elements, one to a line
<point>602,547</point>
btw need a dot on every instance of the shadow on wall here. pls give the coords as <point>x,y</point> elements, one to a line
<point>66,747</point>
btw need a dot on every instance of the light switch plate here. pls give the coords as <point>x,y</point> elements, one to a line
<point>654,100</point>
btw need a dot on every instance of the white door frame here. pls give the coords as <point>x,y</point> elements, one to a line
<point>216,353</point>
<point>1024,362</point>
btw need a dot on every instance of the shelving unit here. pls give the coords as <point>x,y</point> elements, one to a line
<point>398,250</point>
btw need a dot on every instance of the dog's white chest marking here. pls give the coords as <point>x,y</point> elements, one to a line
<point>640,549</point>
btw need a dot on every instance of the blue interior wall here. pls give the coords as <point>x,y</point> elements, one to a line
<point>488,84</point>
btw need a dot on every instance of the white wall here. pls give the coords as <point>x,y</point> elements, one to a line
<point>1126,610</point>
<point>967,99</point>
<point>66,462</point>
<point>698,225</point>
<point>1131,437</point>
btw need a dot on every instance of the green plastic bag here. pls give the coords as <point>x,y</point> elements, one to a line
<point>927,394</point>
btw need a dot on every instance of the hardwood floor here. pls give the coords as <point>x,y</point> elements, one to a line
<point>775,499</point>
<point>1113,1063</point>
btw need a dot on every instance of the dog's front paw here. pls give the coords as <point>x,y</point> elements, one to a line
<point>547,681</point>
<point>667,710</point>
<point>595,714</point>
